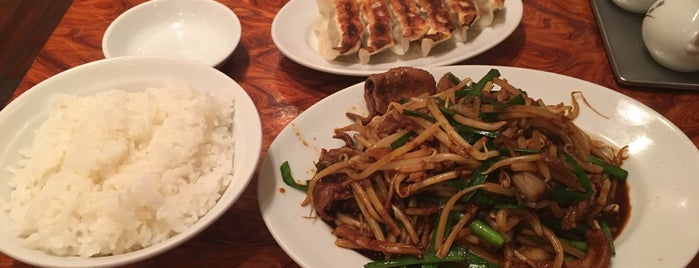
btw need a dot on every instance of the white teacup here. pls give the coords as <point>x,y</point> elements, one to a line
<point>670,32</point>
<point>635,6</point>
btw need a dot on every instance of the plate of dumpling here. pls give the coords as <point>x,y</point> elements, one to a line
<point>362,37</point>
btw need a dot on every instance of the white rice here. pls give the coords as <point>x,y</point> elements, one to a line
<point>119,171</point>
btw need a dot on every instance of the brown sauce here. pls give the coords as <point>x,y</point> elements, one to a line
<point>617,221</point>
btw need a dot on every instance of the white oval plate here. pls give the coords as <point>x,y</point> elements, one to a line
<point>293,34</point>
<point>663,171</point>
<point>20,118</point>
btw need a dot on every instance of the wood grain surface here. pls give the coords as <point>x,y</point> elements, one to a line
<point>555,36</point>
<point>25,25</point>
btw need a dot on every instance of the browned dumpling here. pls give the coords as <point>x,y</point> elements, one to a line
<point>339,28</point>
<point>408,24</point>
<point>487,9</point>
<point>378,21</point>
<point>440,24</point>
<point>464,13</point>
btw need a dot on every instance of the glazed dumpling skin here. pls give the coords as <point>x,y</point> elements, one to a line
<point>487,9</point>
<point>339,28</point>
<point>439,22</point>
<point>464,13</point>
<point>378,23</point>
<point>408,24</point>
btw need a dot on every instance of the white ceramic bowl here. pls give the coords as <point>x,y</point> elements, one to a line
<point>635,6</point>
<point>670,32</point>
<point>202,30</point>
<point>20,118</point>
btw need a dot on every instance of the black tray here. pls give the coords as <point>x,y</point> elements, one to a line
<point>629,59</point>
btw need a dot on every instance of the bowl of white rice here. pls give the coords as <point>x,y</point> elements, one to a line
<point>121,159</point>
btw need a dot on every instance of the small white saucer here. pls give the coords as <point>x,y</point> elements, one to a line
<point>201,30</point>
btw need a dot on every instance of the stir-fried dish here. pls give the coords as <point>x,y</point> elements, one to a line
<point>455,172</point>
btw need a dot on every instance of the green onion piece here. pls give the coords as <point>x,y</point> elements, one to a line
<point>401,140</point>
<point>493,116</point>
<point>494,102</point>
<point>289,180</point>
<point>471,138</point>
<point>456,254</point>
<point>489,117</point>
<point>608,233</point>
<point>453,79</point>
<point>565,196</point>
<point>460,93</point>
<point>477,88</point>
<point>538,240</point>
<point>465,130</point>
<point>555,225</point>
<point>515,100</point>
<point>476,178</point>
<point>580,245</point>
<point>439,101</point>
<point>450,222</point>
<point>453,216</point>
<point>520,204</point>
<point>487,233</point>
<point>492,73</point>
<point>482,200</point>
<point>419,114</point>
<point>430,248</point>
<point>442,107</point>
<point>497,105</point>
<point>580,173</point>
<point>522,151</point>
<point>431,252</point>
<point>614,172</point>
<point>447,111</point>
<point>475,261</point>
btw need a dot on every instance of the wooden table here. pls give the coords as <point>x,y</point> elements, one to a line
<point>555,36</point>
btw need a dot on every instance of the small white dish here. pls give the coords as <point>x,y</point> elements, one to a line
<point>201,30</point>
<point>294,36</point>
<point>662,171</point>
<point>20,119</point>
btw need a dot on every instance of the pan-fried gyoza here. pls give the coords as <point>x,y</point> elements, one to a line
<point>368,27</point>
<point>465,171</point>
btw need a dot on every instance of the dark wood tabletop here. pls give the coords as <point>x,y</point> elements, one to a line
<point>555,36</point>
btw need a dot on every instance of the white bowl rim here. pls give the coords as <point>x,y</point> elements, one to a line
<point>235,27</point>
<point>244,174</point>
